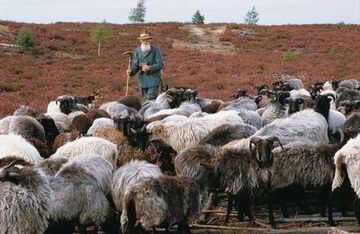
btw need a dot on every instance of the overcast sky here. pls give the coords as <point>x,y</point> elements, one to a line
<point>229,11</point>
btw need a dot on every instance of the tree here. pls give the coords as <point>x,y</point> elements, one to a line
<point>198,18</point>
<point>100,34</point>
<point>252,17</point>
<point>25,40</point>
<point>137,14</point>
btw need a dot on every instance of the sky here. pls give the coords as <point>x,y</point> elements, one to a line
<point>271,12</point>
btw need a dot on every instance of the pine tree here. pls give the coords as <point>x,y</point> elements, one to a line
<point>25,40</point>
<point>252,17</point>
<point>101,33</point>
<point>198,18</point>
<point>137,14</point>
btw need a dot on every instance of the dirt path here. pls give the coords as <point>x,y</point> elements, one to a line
<point>205,39</point>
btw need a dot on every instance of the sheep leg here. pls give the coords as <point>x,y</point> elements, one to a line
<point>212,202</point>
<point>270,201</point>
<point>183,227</point>
<point>330,206</point>
<point>154,230</point>
<point>283,201</point>
<point>250,210</point>
<point>324,192</point>
<point>356,206</point>
<point>240,203</point>
<point>229,207</point>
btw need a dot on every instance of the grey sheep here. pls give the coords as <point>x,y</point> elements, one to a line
<point>166,201</point>
<point>24,200</point>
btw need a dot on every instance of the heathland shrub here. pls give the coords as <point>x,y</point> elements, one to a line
<point>24,40</point>
<point>288,56</point>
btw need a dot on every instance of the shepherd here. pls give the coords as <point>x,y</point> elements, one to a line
<point>148,59</point>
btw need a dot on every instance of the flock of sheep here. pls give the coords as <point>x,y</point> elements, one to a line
<point>81,165</point>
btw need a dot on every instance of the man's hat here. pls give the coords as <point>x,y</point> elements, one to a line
<point>144,35</point>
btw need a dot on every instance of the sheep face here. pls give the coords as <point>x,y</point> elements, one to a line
<point>296,105</point>
<point>262,149</point>
<point>50,128</point>
<point>67,104</point>
<point>138,137</point>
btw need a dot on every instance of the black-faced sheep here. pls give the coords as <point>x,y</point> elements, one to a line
<point>24,200</point>
<point>243,173</point>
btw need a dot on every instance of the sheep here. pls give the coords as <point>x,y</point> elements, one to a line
<point>5,124</point>
<point>351,84</point>
<point>80,189</point>
<point>244,172</point>
<point>26,110</point>
<point>61,120</point>
<point>352,126</point>
<point>292,81</point>
<point>64,104</point>
<point>300,93</point>
<point>227,133</point>
<point>94,145</point>
<point>116,109</point>
<point>16,145</point>
<point>125,177</point>
<point>111,134</point>
<point>81,123</point>
<point>347,107</point>
<point>166,201</point>
<point>298,104</point>
<point>309,126</point>
<point>240,104</point>
<point>51,166</point>
<point>276,109</point>
<point>94,114</point>
<point>24,200</point>
<point>346,159</point>
<point>351,95</point>
<point>192,131</point>
<point>99,123</point>
<point>131,101</point>
<point>7,160</point>
<point>306,165</point>
<point>186,109</point>
<point>64,138</point>
<point>27,127</point>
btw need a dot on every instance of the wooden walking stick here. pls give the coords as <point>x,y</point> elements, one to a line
<point>130,54</point>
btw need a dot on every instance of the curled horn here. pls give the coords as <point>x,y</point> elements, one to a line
<point>264,92</point>
<point>330,95</point>
<point>273,139</point>
<point>254,140</point>
<point>13,163</point>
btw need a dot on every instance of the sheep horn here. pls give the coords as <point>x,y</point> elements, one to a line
<point>273,139</point>
<point>331,95</point>
<point>13,163</point>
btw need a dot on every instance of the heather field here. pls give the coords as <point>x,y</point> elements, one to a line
<point>217,59</point>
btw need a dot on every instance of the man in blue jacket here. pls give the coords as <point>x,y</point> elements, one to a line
<point>148,59</point>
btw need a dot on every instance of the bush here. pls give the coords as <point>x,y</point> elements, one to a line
<point>288,56</point>
<point>25,40</point>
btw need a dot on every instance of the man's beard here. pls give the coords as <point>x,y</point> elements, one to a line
<point>145,47</point>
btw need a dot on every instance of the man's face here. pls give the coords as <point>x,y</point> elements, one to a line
<point>145,41</point>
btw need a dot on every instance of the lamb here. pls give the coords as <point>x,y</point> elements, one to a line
<point>347,158</point>
<point>192,131</point>
<point>166,201</point>
<point>128,175</point>
<point>80,189</point>
<point>24,200</point>
<point>90,145</point>
<point>16,145</point>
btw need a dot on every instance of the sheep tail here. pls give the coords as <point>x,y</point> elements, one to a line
<point>128,217</point>
<point>339,175</point>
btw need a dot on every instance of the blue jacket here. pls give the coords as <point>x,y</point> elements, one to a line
<point>154,59</point>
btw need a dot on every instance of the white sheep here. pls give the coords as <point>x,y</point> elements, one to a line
<point>16,145</point>
<point>99,122</point>
<point>88,145</point>
<point>190,132</point>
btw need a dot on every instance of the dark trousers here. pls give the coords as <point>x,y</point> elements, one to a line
<point>149,93</point>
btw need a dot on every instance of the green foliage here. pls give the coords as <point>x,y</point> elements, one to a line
<point>100,34</point>
<point>252,17</point>
<point>198,18</point>
<point>25,40</point>
<point>288,56</point>
<point>137,14</point>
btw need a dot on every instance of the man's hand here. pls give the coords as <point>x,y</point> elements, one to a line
<point>128,72</point>
<point>145,68</point>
